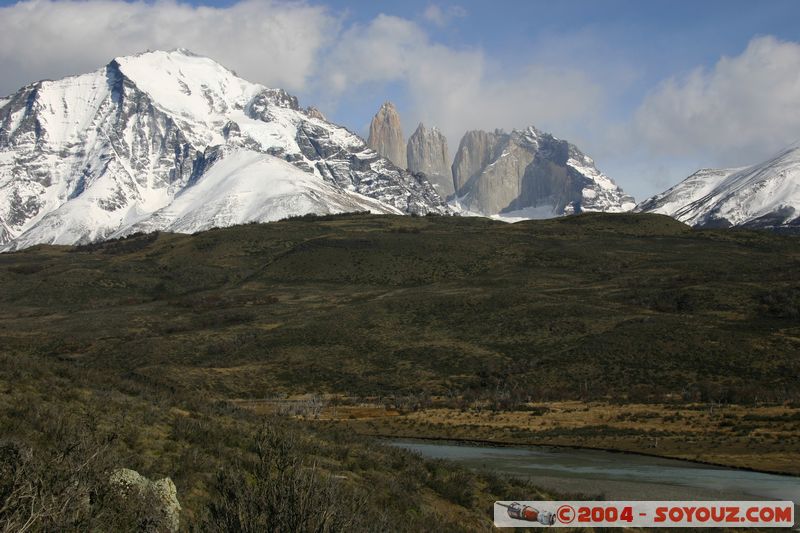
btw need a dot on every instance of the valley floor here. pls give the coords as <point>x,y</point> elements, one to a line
<point>760,438</point>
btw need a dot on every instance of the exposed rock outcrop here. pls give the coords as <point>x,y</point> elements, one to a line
<point>475,152</point>
<point>386,135</point>
<point>530,174</point>
<point>313,112</point>
<point>161,495</point>
<point>427,153</point>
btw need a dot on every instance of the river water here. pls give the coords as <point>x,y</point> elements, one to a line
<point>591,474</point>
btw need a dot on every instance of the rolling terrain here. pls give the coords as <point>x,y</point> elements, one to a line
<point>636,307</point>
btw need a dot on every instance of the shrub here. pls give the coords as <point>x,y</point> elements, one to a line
<point>279,493</point>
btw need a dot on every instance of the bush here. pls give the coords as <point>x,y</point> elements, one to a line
<point>782,303</point>
<point>453,483</point>
<point>279,493</point>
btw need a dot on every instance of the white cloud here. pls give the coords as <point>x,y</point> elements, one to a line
<point>270,42</point>
<point>443,16</point>
<point>303,48</point>
<point>457,89</point>
<point>737,112</point>
<point>309,50</point>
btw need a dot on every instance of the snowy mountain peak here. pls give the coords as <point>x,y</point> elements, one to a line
<point>187,84</point>
<point>178,63</point>
<point>764,195</point>
<point>532,133</point>
<point>175,141</point>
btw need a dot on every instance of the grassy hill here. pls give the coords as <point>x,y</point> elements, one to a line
<point>623,306</point>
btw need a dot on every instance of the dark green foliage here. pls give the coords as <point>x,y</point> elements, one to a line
<point>589,307</point>
<point>124,245</point>
<point>456,485</point>
<point>782,303</point>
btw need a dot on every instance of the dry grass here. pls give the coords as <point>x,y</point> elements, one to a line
<point>761,438</point>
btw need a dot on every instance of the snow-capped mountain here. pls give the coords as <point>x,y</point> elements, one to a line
<point>174,141</point>
<point>530,174</point>
<point>762,196</point>
<point>689,190</point>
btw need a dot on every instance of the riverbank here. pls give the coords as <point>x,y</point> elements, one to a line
<point>757,438</point>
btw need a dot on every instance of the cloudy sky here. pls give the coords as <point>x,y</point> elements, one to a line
<point>651,89</point>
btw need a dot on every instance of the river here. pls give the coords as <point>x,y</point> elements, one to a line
<point>595,474</point>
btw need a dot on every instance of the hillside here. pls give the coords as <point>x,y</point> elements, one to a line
<point>635,307</point>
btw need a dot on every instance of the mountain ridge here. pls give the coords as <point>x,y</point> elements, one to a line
<point>95,155</point>
<point>765,195</point>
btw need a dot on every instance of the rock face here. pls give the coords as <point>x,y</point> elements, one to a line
<point>530,174</point>
<point>313,112</point>
<point>766,195</point>
<point>173,141</point>
<point>386,135</point>
<point>475,152</point>
<point>161,496</point>
<point>427,153</point>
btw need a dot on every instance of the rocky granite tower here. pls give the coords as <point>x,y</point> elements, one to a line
<point>530,174</point>
<point>386,135</point>
<point>475,152</point>
<point>427,153</point>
